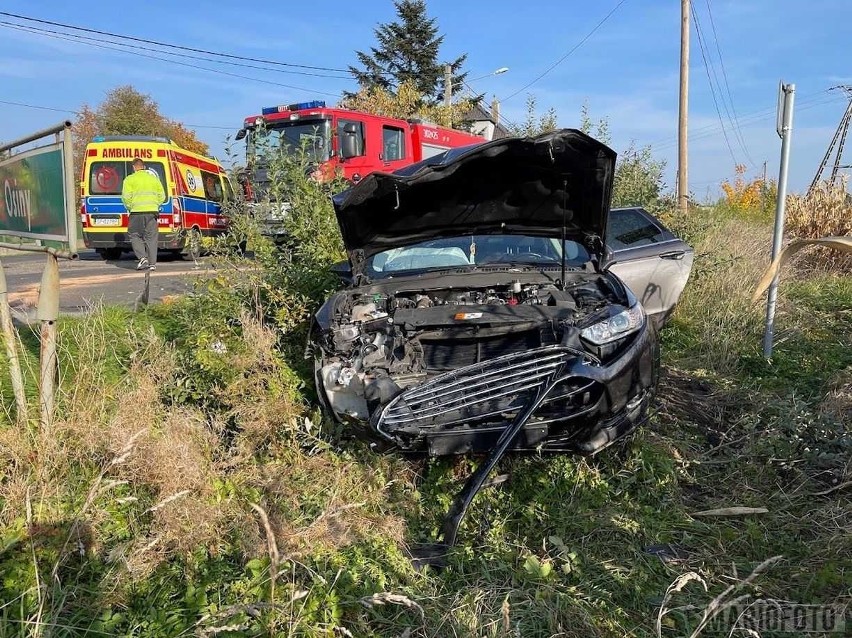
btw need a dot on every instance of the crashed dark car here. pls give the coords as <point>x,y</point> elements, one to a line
<point>483,310</point>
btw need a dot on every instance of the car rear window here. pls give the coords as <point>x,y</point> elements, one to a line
<point>106,178</point>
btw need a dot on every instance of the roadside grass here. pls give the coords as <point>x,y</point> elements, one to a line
<point>189,486</point>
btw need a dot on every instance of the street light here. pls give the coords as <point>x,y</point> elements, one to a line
<point>499,71</point>
<point>449,85</point>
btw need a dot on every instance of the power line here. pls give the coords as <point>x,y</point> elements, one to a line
<point>171,46</point>
<point>734,121</point>
<point>709,131</point>
<point>72,111</point>
<point>564,57</point>
<point>811,97</point>
<point>710,81</point>
<point>500,116</point>
<point>43,108</point>
<point>161,59</point>
<point>87,39</point>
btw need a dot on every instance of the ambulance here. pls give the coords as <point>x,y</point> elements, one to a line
<point>196,186</point>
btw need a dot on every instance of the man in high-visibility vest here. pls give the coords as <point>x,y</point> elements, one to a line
<point>142,194</point>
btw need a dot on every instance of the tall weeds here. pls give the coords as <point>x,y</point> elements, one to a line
<point>826,211</point>
<point>715,324</point>
<point>823,212</point>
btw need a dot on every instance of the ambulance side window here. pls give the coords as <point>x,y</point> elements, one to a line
<point>393,143</point>
<point>359,135</point>
<point>212,186</point>
<point>229,189</point>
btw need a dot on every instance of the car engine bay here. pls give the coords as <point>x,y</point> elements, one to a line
<point>380,343</point>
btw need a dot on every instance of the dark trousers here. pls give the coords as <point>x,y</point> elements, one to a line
<point>142,229</point>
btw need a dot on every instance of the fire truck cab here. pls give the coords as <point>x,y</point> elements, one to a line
<point>339,142</point>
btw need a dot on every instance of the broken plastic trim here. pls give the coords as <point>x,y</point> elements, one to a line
<point>435,554</point>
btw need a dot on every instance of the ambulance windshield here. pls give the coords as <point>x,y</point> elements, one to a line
<point>290,138</point>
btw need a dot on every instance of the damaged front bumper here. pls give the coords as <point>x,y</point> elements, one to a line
<point>588,403</point>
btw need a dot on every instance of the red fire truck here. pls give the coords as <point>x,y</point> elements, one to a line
<point>338,141</point>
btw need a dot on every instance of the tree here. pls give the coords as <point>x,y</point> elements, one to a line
<point>638,179</point>
<point>407,50</point>
<point>126,111</point>
<point>406,102</point>
<point>535,124</point>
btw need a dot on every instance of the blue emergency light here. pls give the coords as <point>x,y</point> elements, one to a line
<point>298,106</point>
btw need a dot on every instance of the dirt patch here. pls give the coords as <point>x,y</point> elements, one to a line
<point>683,397</point>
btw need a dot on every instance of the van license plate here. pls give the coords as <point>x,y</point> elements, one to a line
<point>106,221</point>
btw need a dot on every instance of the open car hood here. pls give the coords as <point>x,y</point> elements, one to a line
<point>529,186</point>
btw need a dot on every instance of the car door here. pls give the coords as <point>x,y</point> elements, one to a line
<point>356,167</point>
<point>649,258</point>
<point>395,153</point>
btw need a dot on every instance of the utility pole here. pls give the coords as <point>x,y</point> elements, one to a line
<point>683,107</point>
<point>448,85</point>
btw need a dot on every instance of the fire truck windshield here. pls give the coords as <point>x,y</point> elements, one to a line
<point>290,138</point>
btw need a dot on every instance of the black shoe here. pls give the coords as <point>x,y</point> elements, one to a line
<point>142,265</point>
<point>152,267</point>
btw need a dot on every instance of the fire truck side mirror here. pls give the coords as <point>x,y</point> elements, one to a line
<point>349,142</point>
<point>241,134</point>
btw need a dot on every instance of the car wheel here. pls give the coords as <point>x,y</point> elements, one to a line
<point>193,248</point>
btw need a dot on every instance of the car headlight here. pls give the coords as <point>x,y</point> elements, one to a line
<point>615,327</point>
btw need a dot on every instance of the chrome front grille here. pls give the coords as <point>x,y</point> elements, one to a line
<point>474,394</point>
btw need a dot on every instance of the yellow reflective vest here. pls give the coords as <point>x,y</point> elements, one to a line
<point>142,192</point>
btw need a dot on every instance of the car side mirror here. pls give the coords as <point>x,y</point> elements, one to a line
<point>343,270</point>
<point>349,141</point>
<point>241,134</point>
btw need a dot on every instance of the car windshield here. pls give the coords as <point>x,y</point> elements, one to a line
<point>289,137</point>
<point>475,250</point>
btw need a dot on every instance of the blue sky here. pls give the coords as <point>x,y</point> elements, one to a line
<point>627,71</point>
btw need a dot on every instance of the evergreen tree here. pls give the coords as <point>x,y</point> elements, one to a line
<point>407,50</point>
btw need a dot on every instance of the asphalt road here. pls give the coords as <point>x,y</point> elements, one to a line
<point>90,280</point>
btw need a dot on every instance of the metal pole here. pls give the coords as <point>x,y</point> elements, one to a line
<point>142,299</point>
<point>10,337</point>
<point>787,92</point>
<point>35,136</point>
<point>27,248</point>
<point>448,85</point>
<point>683,112</point>
<point>70,189</point>
<point>48,315</point>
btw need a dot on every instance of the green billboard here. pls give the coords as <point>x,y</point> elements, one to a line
<point>33,198</point>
